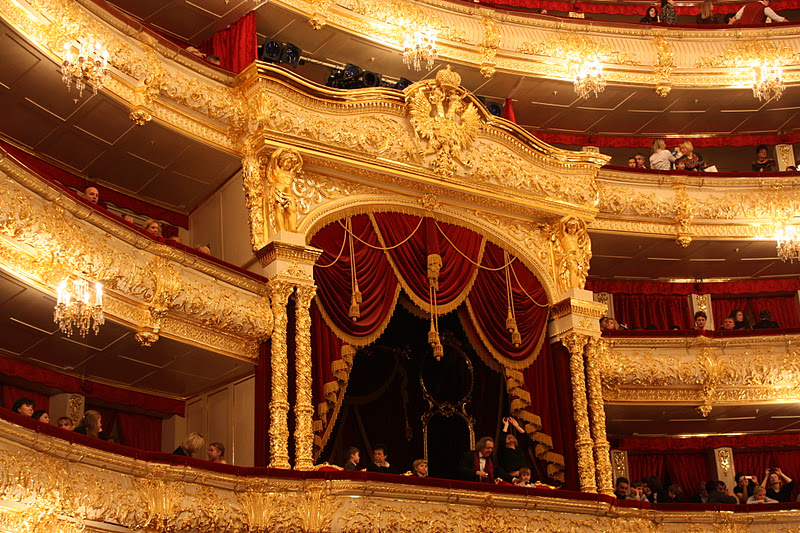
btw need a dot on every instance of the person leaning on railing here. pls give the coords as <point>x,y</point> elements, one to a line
<point>756,13</point>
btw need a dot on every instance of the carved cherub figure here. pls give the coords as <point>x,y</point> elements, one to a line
<point>574,250</point>
<point>280,203</point>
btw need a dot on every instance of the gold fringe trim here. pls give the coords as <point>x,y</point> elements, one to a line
<point>358,341</point>
<point>477,345</point>
<point>419,302</point>
<point>334,397</point>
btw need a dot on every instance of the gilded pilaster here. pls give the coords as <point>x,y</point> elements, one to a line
<point>602,459</point>
<point>303,408</point>
<point>575,343</point>
<point>280,291</point>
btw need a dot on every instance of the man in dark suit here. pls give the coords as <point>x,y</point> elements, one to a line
<point>353,457</point>
<point>481,464</point>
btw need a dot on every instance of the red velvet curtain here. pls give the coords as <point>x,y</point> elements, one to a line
<point>753,463</point>
<point>782,307</point>
<point>236,46</point>
<point>616,9</point>
<point>663,311</point>
<point>642,466</point>
<point>705,443</point>
<point>646,142</point>
<point>726,288</point>
<point>11,394</point>
<point>140,431</point>
<point>687,470</point>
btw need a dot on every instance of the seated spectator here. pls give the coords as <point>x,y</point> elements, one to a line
<point>680,163</point>
<point>640,160</point>
<point>739,321</point>
<point>66,422</point>
<point>702,494</point>
<point>152,226</point>
<point>715,495</point>
<point>691,160</point>
<point>700,320</point>
<point>379,462</point>
<point>766,321</point>
<point>632,162</point>
<point>353,457</point>
<point>91,425</point>
<point>92,194</point>
<point>760,496</point>
<point>674,494</point>
<point>192,444</point>
<point>216,453</point>
<point>779,486</point>
<point>608,323</point>
<point>668,14</point>
<point>648,18</point>
<point>728,324</point>
<point>706,15</point>
<point>674,327</point>
<point>214,60</point>
<point>420,468</point>
<point>41,415</point>
<point>727,18</point>
<point>744,487</point>
<point>481,465</point>
<point>657,492</point>
<point>524,479</point>
<point>195,52</point>
<point>756,13</point>
<point>636,491</point>
<point>23,406</point>
<point>763,162</point>
<point>661,159</point>
<point>791,168</point>
<point>621,488</point>
<point>204,249</point>
<point>513,452</point>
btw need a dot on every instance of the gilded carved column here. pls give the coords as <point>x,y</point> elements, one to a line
<point>575,343</point>
<point>303,408</point>
<point>279,404</point>
<point>602,459</point>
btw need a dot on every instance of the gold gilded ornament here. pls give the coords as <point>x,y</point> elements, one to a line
<point>280,203</point>
<point>573,250</point>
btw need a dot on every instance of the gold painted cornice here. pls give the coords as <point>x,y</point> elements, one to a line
<point>52,486</point>
<point>48,235</point>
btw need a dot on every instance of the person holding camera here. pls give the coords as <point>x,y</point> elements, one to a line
<point>779,486</point>
<point>744,487</point>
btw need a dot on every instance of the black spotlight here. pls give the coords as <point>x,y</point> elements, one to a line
<point>371,79</point>
<point>402,84</point>
<point>495,109</point>
<point>290,54</point>
<point>351,71</point>
<point>271,51</point>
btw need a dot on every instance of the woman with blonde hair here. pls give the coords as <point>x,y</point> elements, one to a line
<point>193,443</point>
<point>661,159</point>
<point>691,159</point>
<point>707,15</point>
<point>151,225</point>
<point>91,425</point>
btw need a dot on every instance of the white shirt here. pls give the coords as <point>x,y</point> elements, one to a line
<point>483,464</point>
<point>774,17</point>
<point>662,160</point>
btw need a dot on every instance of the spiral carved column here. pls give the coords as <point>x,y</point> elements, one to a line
<point>279,404</point>
<point>575,343</point>
<point>303,407</point>
<point>602,458</point>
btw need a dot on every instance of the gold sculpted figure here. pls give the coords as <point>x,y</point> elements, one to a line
<point>280,203</point>
<point>573,252</point>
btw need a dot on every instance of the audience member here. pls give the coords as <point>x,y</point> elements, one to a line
<point>66,422</point>
<point>791,168</point>
<point>702,494</point>
<point>92,194</point>
<point>379,462</point>
<point>512,454</point>
<point>728,324</point>
<point>715,495</point>
<point>657,492</point>
<point>680,163</point>
<point>192,444</point>
<point>481,465</point>
<point>760,496</point>
<point>727,18</point>
<point>706,15</point>
<point>420,468</point>
<point>621,488</point>
<point>674,494</point>
<point>632,162</point>
<point>661,159</point>
<point>204,249</point>
<point>41,415</point>
<point>608,323</point>
<point>668,14</point>
<point>766,321</point>
<point>636,491</point>
<point>91,425</point>
<point>744,486</point>
<point>763,162</point>
<point>214,60</point>
<point>779,486</point>
<point>691,159</point>
<point>128,218</point>
<point>700,320</point>
<point>739,320</point>
<point>640,160</point>
<point>353,457</point>
<point>216,453</point>
<point>675,327</point>
<point>23,406</point>
<point>524,479</point>
<point>756,13</point>
<point>152,226</point>
<point>651,16</point>
<point>195,52</point>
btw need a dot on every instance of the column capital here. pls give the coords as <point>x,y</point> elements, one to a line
<point>286,255</point>
<point>575,313</point>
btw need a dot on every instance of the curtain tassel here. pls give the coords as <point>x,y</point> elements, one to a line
<point>516,338</point>
<point>355,302</point>
<point>435,342</point>
<point>511,323</point>
<point>434,266</point>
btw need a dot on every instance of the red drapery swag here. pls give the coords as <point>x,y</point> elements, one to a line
<point>662,311</point>
<point>390,251</point>
<point>236,46</point>
<point>720,288</point>
<point>708,443</point>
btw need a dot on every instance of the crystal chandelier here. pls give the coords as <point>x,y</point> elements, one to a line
<point>589,79</point>
<point>788,241</point>
<point>73,309</point>
<point>88,66</point>
<point>420,47</point>
<point>768,82</point>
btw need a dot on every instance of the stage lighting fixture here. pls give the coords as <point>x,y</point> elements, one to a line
<point>495,109</point>
<point>271,51</point>
<point>371,79</point>
<point>291,54</point>
<point>402,84</point>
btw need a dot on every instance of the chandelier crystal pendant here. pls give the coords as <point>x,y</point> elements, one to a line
<point>788,241</point>
<point>418,48</point>
<point>76,309</point>
<point>768,82</point>
<point>589,79</point>
<point>82,66</point>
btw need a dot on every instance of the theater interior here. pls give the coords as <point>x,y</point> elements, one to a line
<point>416,214</point>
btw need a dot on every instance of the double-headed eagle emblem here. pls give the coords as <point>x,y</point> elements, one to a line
<point>440,115</point>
